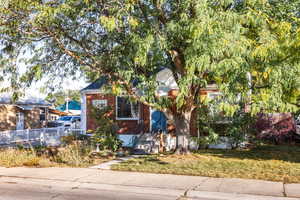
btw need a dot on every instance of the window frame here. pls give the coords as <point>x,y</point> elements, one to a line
<point>126,118</point>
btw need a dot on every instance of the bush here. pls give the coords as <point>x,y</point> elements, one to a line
<point>238,128</point>
<point>276,128</point>
<point>241,128</point>
<point>70,139</point>
<point>106,134</point>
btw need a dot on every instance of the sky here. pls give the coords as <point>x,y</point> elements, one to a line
<point>68,84</point>
<point>34,90</point>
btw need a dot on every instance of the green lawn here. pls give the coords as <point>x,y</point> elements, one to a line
<point>274,163</point>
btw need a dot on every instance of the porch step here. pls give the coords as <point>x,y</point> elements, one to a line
<point>145,144</point>
<point>140,152</point>
<point>146,137</point>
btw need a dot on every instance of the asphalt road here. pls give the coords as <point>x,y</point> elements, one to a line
<point>14,191</point>
<point>11,190</point>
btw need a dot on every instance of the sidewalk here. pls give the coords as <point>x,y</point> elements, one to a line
<point>190,186</point>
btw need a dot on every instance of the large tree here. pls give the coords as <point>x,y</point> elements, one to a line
<point>249,48</point>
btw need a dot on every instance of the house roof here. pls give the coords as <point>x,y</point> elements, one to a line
<point>57,112</point>
<point>96,84</point>
<point>72,105</point>
<point>7,99</point>
<point>103,80</point>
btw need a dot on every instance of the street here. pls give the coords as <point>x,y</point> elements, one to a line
<point>12,191</point>
<point>13,188</point>
<point>28,189</point>
<point>93,184</point>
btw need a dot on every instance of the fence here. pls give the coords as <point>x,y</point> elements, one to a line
<point>36,137</point>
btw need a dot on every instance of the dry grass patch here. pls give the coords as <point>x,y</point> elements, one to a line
<point>19,158</point>
<point>69,156</point>
<point>281,163</point>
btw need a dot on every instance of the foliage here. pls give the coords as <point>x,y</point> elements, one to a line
<point>276,128</point>
<point>105,134</point>
<point>272,163</point>
<point>247,47</point>
<point>59,98</point>
<point>72,138</point>
<point>203,141</point>
<point>213,123</point>
<point>241,128</point>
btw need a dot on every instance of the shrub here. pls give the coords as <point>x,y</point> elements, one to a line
<point>105,134</point>
<point>238,127</point>
<point>276,128</point>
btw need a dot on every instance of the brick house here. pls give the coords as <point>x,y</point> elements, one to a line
<point>132,118</point>
<point>29,113</point>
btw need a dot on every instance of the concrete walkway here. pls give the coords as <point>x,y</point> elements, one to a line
<point>188,186</point>
<point>107,165</point>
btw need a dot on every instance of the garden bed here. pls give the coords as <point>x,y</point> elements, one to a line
<point>272,163</point>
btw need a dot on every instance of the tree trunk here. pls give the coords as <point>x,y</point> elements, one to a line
<point>182,125</point>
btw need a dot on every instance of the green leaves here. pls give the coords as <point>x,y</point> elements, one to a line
<point>108,22</point>
<point>202,42</point>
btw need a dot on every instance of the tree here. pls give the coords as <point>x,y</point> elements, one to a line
<point>246,47</point>
<point>59,97</point>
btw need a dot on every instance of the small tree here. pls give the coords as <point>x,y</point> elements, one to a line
<point>246,47</point>
<point>105,134</point>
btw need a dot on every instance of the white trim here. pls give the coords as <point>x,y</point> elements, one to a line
<point>94,91</point>
<point>116,106</point>
<point>83,113</point>
<point>151,110</point>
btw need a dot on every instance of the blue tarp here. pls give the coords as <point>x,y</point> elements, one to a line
<point>73,105</point>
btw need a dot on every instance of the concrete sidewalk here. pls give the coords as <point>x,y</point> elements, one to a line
<point>190,186</point>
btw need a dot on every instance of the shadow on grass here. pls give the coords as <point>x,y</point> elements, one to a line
<point>267,152</point>
<point>146,159</point>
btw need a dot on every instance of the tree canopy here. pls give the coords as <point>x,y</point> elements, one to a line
<point>59,98</point>
<point>248,48</point>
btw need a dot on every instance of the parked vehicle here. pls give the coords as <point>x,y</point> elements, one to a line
<point>69,121</point>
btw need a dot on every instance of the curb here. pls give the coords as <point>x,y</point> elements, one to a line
<point>232,196</point>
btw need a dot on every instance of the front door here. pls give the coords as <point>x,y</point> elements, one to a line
<point>20,121</point>
<point>158,121</point>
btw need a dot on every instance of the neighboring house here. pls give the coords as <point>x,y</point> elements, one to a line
<point>30,113</point>
<point>54,114</point>
<point>71,107</point>
<point>132,118</point>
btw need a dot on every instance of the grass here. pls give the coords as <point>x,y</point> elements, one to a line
<point>272,163</point>
<point>75,155</point>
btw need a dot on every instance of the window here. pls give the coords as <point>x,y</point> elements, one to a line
<point>127,109</point>
<point>100,103</point>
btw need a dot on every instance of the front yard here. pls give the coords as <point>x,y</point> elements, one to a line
<point>273,163</point>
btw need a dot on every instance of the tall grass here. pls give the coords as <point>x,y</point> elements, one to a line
<point>76,154</point>
<point>18,158</point>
